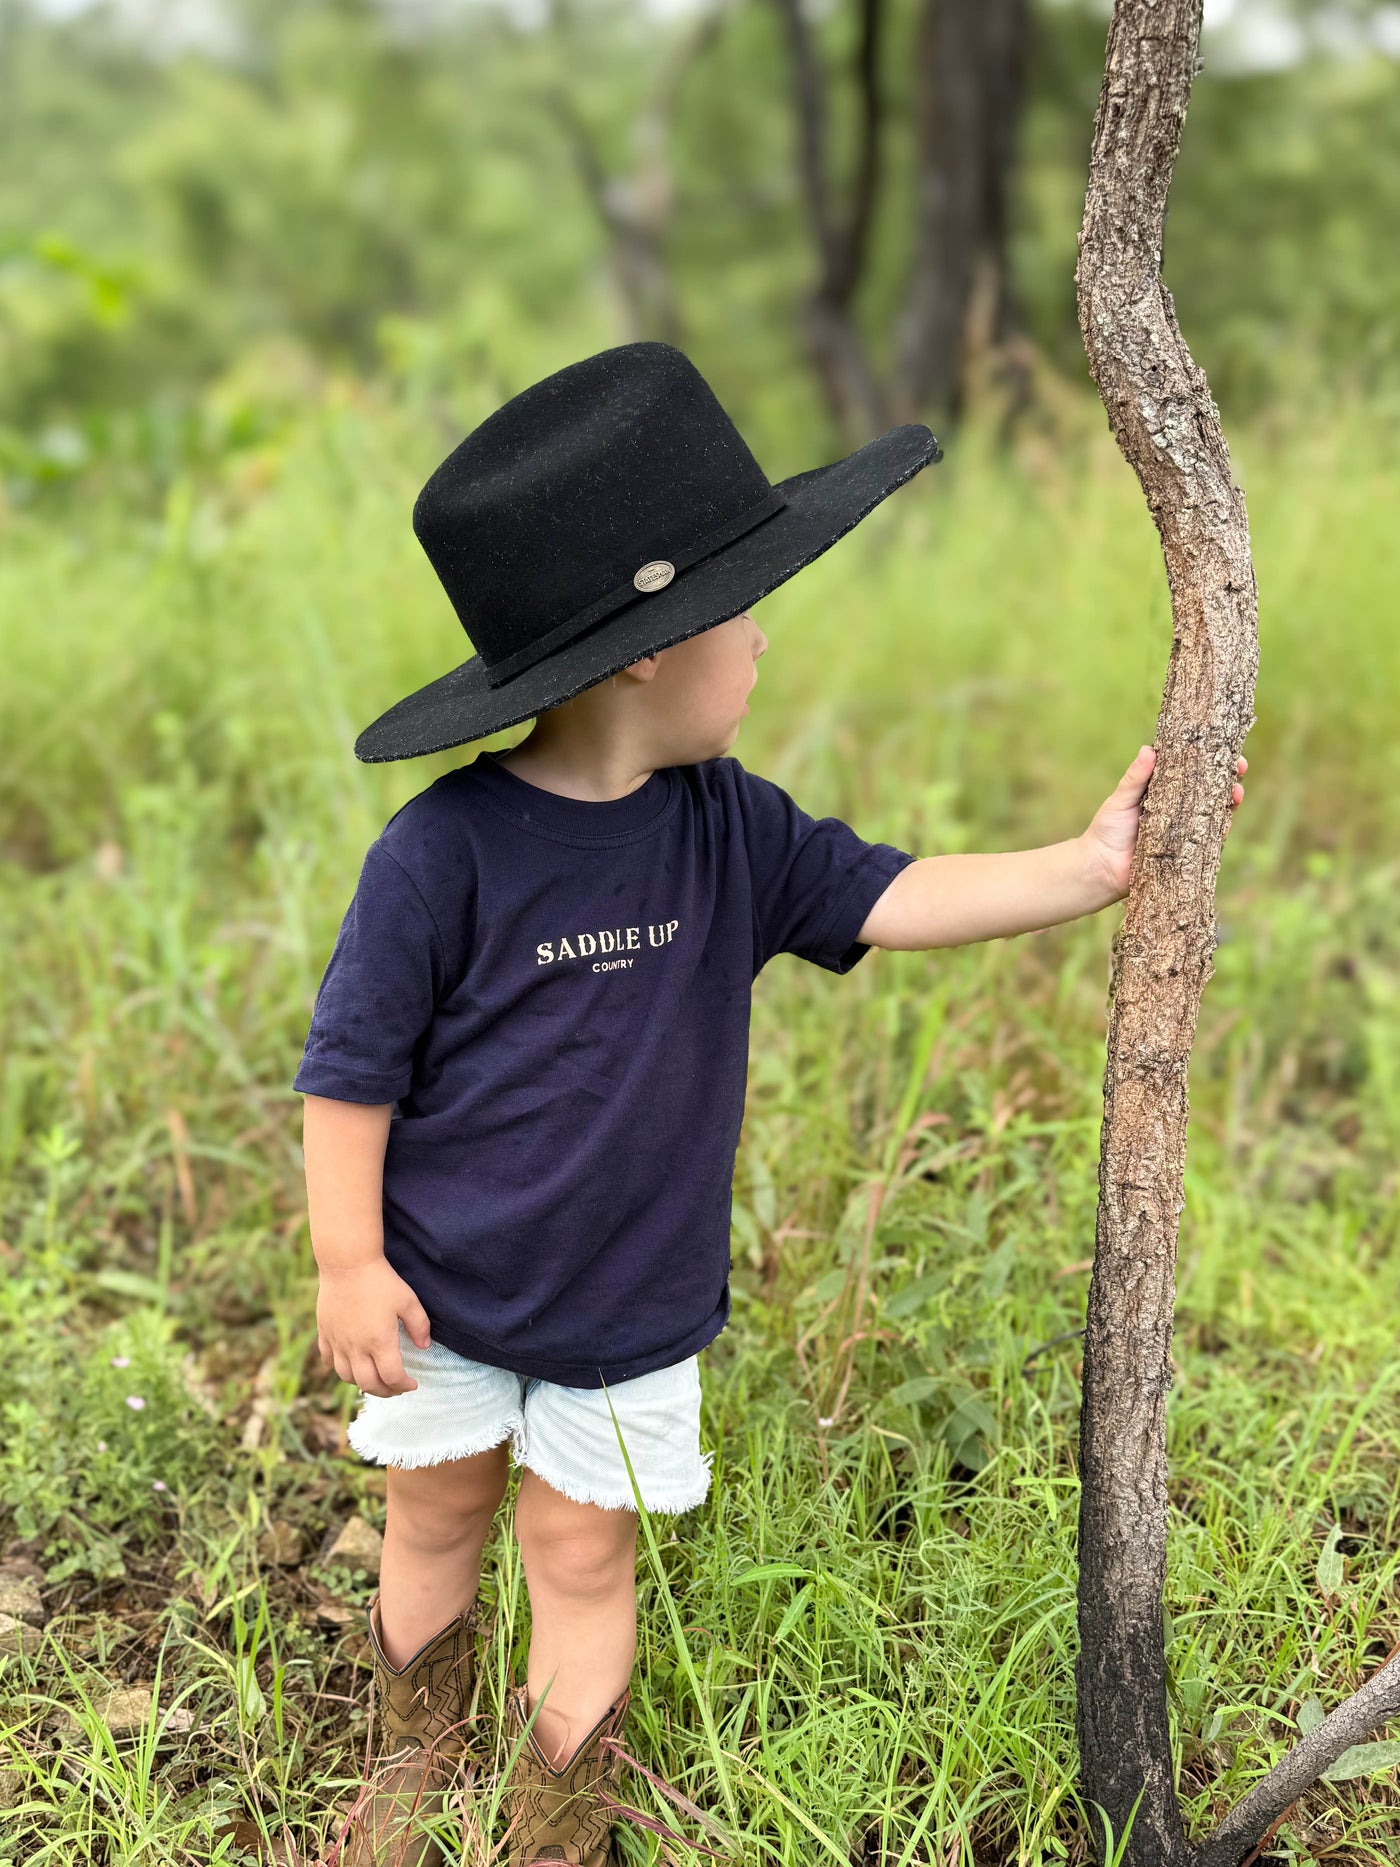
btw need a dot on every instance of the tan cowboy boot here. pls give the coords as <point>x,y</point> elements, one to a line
<point>557,1814</point>
<point>420,1738</point>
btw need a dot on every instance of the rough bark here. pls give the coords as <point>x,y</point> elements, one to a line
<point>1164,420</point>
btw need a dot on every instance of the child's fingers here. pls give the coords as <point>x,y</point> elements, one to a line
<point>367,1377</point>
<point>388,1366</point>
<point>415,1319</point>
<point>356,1369</point>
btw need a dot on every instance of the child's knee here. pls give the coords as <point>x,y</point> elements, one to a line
<point>573,1545</point>
<point>454,1502</point>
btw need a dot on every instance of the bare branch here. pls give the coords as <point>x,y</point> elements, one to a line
<point>1358,1718</point>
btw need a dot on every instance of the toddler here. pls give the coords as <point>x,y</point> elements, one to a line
<point>526,1068</point>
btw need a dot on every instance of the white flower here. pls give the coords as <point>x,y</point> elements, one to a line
<point>121,1361</point>
<point>135,1402</point>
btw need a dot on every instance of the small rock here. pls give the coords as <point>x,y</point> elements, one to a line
<point>122,1709</point>
<point>11,1788</point>
<point>126,1709</point>
<point>336,1614</point>
<point>18,1636</point>
<point>19,1598</point>
<point>358,1546</point>
<point>179,1721</point>
<point>281,1545</point>
<point>17,1565</point>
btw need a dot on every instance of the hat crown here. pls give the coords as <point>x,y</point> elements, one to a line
<point>549,509</point>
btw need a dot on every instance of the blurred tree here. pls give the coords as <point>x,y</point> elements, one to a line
<point>840,233</point>
<point>967,59</point>
<point>634,206</point>
<point>969,64</point>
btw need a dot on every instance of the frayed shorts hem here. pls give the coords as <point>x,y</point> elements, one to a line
<point>566,1436</point>
<point>415,1458</point>
<point>661,1505</point>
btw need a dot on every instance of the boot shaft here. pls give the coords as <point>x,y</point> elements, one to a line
<point>424,1702</point>
<point>419,1737</point>
<point>558,1816</point>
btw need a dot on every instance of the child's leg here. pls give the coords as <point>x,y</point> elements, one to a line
<point>438,1520</point>
<point>581,1569</point>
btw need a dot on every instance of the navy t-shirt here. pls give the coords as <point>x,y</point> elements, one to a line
<point>556,995</point>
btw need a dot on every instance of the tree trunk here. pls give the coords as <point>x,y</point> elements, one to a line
<point>1160,409</point>
<point>969,58</point>
<point>1164,420</point>
<point>840,235</point>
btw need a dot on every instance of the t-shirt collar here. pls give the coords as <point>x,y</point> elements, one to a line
<point>573,816</point>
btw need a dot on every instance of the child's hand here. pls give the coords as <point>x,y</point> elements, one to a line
<point>1112,836</point>
<point>357,1316</point>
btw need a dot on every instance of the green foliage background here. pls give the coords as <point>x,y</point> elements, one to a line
<point>249,295</point>
<point>344,186</point>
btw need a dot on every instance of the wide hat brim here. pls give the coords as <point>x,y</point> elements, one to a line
<point>823,504</point>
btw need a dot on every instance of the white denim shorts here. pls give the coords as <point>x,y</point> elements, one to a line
<point>564,1435</point>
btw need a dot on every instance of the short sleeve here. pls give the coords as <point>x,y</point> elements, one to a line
<point>814,879</point>
<point>379,990</point>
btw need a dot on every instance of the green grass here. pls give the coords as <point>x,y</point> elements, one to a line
<point>860,1649</point>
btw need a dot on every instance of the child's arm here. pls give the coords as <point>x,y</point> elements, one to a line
<point>362,1298</point>
<point>954,900</point>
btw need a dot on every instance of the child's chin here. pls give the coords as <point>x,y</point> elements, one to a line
<point>694,752</point>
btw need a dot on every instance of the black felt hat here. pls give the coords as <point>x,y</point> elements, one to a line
<point>601,515</point>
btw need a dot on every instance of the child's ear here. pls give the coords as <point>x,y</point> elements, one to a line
<point>645,669</point>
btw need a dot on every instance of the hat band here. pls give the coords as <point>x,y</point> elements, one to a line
<point>498,673</point>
